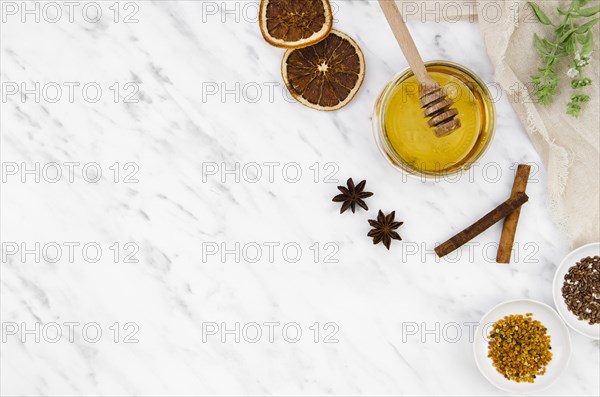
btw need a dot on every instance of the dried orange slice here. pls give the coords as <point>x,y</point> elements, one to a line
<point>294,23</point>
<point>326,75</point>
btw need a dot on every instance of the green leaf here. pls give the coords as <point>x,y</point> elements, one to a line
<point>580,83</point>
<point>577,4</point>
<point>543,18</point>
<point>573,109</point>
<point>574,106</point>
<point>580,98</point>
<point>588,44</point>
<point>571,45</point>
<point>590,11</point>
<point>584,38</point>
<point>587,26</point>
<point>566,36</point>
<point>539,44</point>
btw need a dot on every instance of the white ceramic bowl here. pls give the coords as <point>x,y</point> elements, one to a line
<point>583,327</point>
<point>560,342</point>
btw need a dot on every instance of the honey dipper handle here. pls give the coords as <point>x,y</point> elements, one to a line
<point>396,22</point>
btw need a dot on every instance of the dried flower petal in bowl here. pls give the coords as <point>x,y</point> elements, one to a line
<point>518,359</point>
<point>520,347</point>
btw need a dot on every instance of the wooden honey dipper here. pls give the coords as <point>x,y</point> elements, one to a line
<point>434,99</point>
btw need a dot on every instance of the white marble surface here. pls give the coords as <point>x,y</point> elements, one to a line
<point>174,211</point>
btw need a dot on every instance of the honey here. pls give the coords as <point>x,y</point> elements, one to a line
<point>410,144</point>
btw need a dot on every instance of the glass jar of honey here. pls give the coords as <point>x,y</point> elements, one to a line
<point>409,144</point>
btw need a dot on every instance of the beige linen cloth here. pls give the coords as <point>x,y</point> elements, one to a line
<point>569,147</point>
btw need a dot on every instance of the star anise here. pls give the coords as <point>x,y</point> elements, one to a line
<point>384,229</point>
<point>352,195</point>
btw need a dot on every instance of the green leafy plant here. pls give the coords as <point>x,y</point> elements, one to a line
<point>572,39</point>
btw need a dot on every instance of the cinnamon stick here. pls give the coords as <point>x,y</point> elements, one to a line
<point>481,225</point>
<point>509,228</point>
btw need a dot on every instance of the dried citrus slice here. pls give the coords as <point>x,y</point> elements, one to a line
<point>294,23</point>
<point>326,75</point>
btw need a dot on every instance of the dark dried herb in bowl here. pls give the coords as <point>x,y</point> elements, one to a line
<point>581,289</point>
